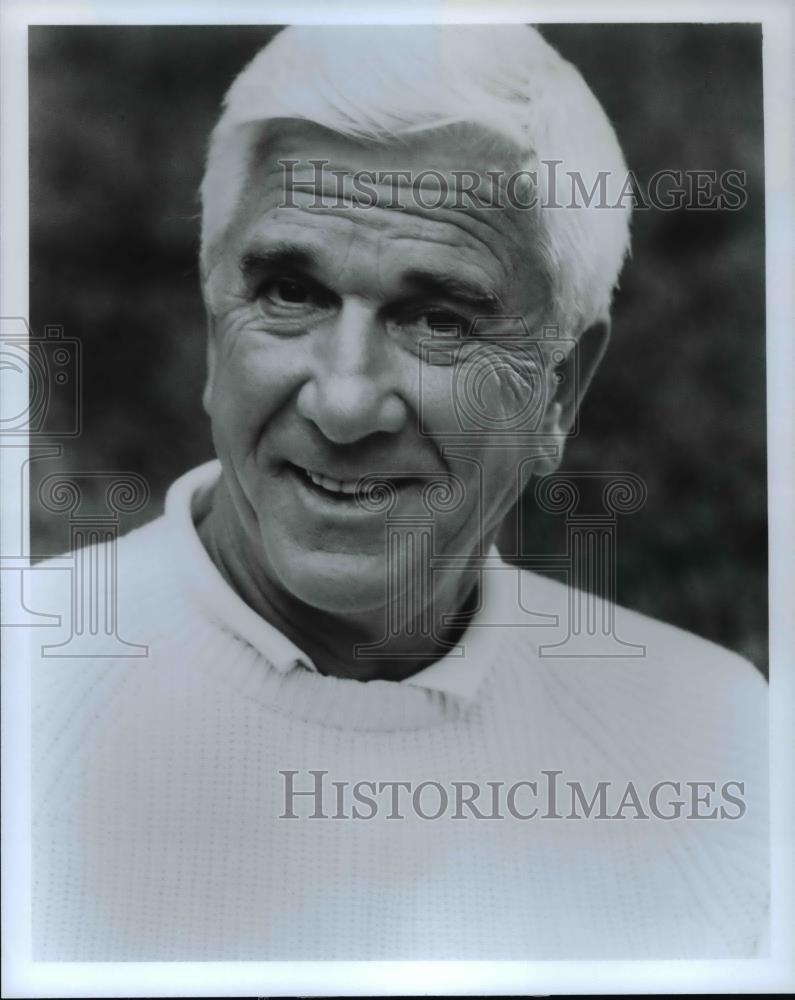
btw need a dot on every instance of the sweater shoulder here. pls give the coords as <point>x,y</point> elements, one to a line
<point>112,584</point>
<point>629,642</point>
<point>101,613</point>
<point>138,550</point>
<point>647,694</point>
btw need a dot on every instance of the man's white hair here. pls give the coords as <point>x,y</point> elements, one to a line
<point>382,83</point>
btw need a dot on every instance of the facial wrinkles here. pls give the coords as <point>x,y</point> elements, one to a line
<point>500,234</point>
<point>333,182</point>
<point>363,257</point>
<point>487,243</point>
<point>372,258</point>
<point>359,243</point>
<point>374,228</point>
<point>506,234</point>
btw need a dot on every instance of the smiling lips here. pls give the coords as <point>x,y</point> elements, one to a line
<point>332,485</point>
<point>342,488</point>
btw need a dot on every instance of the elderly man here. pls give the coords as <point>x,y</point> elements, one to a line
<point>356,731</point>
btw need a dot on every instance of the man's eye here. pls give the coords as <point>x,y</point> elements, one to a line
<point>445,321</point>
<point>286,291</point>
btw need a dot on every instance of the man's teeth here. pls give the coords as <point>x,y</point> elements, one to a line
<point>332,485</point>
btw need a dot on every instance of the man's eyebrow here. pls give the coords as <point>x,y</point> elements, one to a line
<point>454,286</point>
<point>291,256</point>
<point>288,256</point>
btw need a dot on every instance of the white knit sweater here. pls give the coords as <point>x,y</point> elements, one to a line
<point>158,794</point>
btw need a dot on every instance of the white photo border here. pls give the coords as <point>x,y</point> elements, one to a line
<point>24,978</point>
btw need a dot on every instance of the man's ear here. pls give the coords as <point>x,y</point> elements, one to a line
<point>568,384</point>
<point>207,394</point>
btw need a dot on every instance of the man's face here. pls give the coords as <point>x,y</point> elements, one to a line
<point>319,377</point>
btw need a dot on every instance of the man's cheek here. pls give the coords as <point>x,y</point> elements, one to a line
<point>435,408</point>
<point>241,403</point>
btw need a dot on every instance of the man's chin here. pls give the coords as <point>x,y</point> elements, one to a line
<point>338,583</point>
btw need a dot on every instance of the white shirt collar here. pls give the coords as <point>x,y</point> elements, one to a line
<point>459,673</point>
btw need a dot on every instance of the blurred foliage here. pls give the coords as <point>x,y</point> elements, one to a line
<point>119,118</point>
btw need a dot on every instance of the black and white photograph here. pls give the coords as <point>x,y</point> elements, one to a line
<point>397,453</point>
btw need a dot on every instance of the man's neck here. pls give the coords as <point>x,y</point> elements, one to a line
<point>330,640</point>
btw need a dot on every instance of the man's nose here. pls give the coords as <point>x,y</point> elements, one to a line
<point>353,390</point>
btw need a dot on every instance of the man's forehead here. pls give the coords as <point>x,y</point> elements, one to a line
<point>407,188</point>
<point>286,189</point>
<point>462,168</point>
<point>461,146</point>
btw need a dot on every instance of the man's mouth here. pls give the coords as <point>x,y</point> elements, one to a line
<point>340,490</point>
<point>329,485</point>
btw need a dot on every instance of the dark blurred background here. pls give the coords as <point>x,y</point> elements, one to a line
<point>119,118</point>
